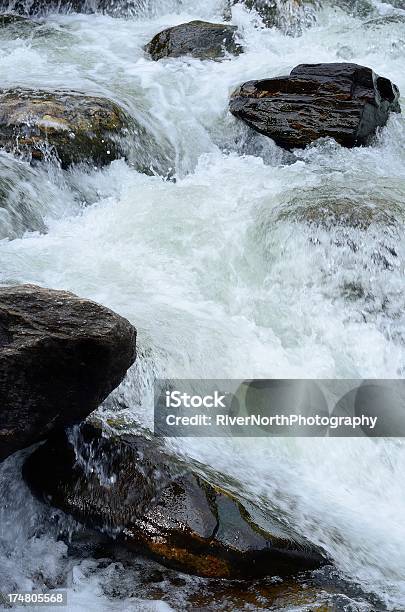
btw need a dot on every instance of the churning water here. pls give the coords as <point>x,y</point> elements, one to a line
<point>222,277</point>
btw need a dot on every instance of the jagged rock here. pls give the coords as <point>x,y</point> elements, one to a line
<point>198,39</point>
<point>156,505</point>
<point>75,126</point>
<point>60,357</point>
<point>344,101</point>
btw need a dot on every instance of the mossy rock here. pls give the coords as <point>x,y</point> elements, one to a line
<point>198,39</point>
<point>153,504</point>
<point>74,126</point>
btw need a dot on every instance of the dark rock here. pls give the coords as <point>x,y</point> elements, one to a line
<point>76,127</point>
<point>123,8</point>
<point>39,7</point>
<point>156,505</point>
<point>346,102</point>
<point>10,20</point>
<point>199,39</point>
<point>60,357</point>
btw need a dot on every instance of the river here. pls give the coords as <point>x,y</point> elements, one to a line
<point>220,285</point>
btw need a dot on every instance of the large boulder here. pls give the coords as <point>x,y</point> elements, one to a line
<point>60,357</point>
<point>130,487</point>
<point>198,39</point>
<point>74,126</point>
<point>344,101</point>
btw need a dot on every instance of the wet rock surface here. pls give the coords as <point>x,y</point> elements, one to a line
<point>60,356</point>
<point>288,15</point>
<point>157,506</point>
<point>343,101</point>
<point>74,126</point>
<point>198,39</point>
<point>12,21</point>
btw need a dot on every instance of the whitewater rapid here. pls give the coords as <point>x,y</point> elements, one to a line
<point>216,282</point>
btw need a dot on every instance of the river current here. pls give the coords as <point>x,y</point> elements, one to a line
<point>220,283</point>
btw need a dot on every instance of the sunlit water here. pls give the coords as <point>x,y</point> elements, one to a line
<point>218,281</point>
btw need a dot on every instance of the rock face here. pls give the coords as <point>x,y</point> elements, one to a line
<point>346,102</point>
<point>60,356</point>
<point>76,127</point>
<point>198,39</point>
<point>152,505</point>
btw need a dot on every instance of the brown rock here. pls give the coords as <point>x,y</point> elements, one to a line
<point>346,102</point>
<point>155,505</point>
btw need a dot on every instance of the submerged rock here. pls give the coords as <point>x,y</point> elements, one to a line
<point>74,126</point>
<point>198,39</point>
<point>363,224</point>
<point>155,505</point>
<point>363,8</point>
<point>60,356</point>
<point>344,101</point>
<point>288,15</point>
<point>319,209</point>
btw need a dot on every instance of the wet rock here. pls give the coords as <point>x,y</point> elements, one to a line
<point>343,101</point>
<point>364,8</point>
<point>124,8</point>
<point>198,39</point>
<point>74,126</point>
<point>36,7</point>
<point>386,21</point>
<point>319,209</point>
<point>60,357</point>
<point>288,15</point>
<point>158,506</point>
<point>10,20</point>
<point>365,226</point>
<point>356,8</point>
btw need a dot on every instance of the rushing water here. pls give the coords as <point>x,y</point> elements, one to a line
<point>221,280</point>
